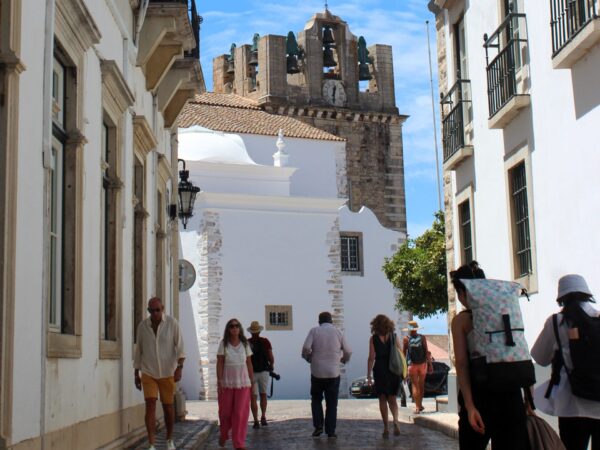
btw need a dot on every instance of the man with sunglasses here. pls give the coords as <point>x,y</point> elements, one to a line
<point>159,357</point>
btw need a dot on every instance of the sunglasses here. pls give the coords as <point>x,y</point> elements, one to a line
<point>234,325</point>
<point>153,310</point>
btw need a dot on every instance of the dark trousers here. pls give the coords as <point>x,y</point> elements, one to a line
<point>504,418</point>
<point>330,387</point>
<point>575,432</point>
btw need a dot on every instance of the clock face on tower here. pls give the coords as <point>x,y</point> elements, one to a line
<point>334,93</point>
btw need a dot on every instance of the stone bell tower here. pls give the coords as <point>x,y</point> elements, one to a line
<point>330,79</point>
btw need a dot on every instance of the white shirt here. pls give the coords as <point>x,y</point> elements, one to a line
<point>235,369</point>
<point>562,402</point>
<point>156,355</point>
<point>325,347</point>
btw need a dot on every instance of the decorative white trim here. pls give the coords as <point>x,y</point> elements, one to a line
<point>314,205</point>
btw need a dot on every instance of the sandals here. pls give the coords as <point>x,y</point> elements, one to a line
<point>256,425</point>
<point>385,434</point>
<point>263,421</point>
<point>396,429</point>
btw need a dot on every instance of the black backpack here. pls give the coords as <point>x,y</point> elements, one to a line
<point>416,349</point>
<point>584,377</point>
<point>260,359</point>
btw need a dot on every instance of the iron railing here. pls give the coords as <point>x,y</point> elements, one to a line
<point>569,17</point>
<point>510,43</point>
<point>455,108</point>
<point>195,21</point>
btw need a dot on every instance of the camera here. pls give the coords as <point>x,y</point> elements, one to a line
<point>274,375</point>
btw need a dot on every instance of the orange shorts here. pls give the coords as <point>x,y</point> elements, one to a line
<point>155,386</point>
<point>418,369</point>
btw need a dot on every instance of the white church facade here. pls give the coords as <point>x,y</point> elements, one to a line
<point>273,240</point>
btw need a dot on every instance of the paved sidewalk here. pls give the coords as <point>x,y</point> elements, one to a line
<point>359,428</point>
<point>187,435</point>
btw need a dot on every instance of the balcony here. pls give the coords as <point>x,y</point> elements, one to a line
<point>507,58</point>
<point>575,27</point>
<point>456,119</point>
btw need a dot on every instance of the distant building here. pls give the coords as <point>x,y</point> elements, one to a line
<point>327,77</point>
<point>521,156</point>
<point>90,92</point>
<point>273,240</point>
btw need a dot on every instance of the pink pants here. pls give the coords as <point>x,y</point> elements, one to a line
<point>234,408</point>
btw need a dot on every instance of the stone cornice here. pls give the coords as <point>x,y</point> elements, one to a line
<point>164,168</point>
<point>75,15</point>
<point>115,85</point>
<point>337,113</point>
<point>144,137</point>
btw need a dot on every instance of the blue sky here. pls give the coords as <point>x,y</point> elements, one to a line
<point>399,23</point>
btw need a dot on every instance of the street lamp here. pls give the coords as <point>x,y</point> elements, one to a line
<point>187,195</point>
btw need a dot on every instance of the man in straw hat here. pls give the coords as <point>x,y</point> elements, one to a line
<point>416,351</point>
<point>262,363</point>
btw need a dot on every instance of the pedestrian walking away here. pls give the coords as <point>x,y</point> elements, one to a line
<point>325,348</point>
<point>570,341</point>
<point>487,410</point>
<point>416,351</point>
<point>234,382</point>
<point>159,357</point>
<point>387,383</point>
<point>263,364</point>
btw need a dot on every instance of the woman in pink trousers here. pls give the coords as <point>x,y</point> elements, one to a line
<point>234,382</point>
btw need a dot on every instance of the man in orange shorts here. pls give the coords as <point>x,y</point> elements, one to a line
<point>159,357</point>
<point>415,350</point>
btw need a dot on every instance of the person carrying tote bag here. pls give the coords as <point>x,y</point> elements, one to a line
<point>542,436</point>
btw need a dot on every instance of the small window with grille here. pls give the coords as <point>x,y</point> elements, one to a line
<point>278,317</point>
<point>351,253</point>
<point>520,221</point>
<point>465,232</point>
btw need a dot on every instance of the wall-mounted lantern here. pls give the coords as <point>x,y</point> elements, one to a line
<point>187,195</point>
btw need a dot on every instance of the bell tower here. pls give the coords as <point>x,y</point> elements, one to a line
<point>329,78</point>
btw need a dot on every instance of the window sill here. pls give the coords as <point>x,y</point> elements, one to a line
<point>63,345</point>
<point>529,282</point>
<point>110,349</point>
<point>358,273</point>
<point>577,48</point>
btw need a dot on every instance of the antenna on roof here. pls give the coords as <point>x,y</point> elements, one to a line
<point>326,6</point>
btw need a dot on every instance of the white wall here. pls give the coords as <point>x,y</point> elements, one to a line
<point>559,128</point>
<point>75,389</point>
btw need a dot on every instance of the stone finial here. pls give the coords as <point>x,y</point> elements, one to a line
<point>280,158</point>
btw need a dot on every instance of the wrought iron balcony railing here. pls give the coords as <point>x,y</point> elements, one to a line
<point>195,21</point>
<point>569,17</point>
<point>509,42</point>
<point>455,108</point>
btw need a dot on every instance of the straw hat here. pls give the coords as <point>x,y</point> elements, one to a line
<point>255,327</point>
<point>572,283</point>
<point>412,326</point>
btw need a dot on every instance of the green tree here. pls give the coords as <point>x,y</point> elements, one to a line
<point>418,271</point>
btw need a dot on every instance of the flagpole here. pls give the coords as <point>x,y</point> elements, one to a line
<point>435,141</point>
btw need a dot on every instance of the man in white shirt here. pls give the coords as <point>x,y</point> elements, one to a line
<point>159,357</point>
<point>325,348</point>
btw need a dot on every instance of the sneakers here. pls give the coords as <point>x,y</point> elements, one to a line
<point>263,421</point>
<point>152,447</point>
<point>170,445</point>
<point>256,425</point>
<point>332,436</point>
<point>318,432</point>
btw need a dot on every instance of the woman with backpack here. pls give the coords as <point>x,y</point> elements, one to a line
<point>234,382</point>
<point>486,412</point>
<point>570,341</point>
<point>416,351</point>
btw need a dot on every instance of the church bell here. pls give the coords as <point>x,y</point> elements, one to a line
<point>328,40</point>
<point>363,72</point>
<point>253,58</point>
<point>292,64</point>
<point>230,66</point>
<point>328,60</point>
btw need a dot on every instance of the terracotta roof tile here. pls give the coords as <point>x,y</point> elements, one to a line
<point>234,114</point>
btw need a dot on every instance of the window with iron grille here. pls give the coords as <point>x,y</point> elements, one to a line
<point>278,317</point>
<point>464,211</point>
<point>520,220</point>
<point>351,252</point>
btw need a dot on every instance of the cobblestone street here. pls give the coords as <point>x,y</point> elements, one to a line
<point>359,427</point>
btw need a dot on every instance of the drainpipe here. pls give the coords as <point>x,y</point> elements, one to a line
<point>140,19</point>
<point>46,163</point>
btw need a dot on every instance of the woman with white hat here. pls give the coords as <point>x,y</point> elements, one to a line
<point>575,328</point>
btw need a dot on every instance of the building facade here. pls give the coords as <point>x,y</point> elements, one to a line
<point>520,155</point>
<point>90,93</point>
<point>273,240</point>
<point>330,79</point>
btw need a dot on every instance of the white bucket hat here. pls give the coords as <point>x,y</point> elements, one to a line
<point>568,284</point>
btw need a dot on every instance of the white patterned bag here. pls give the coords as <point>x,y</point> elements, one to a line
<point>501,357</point>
